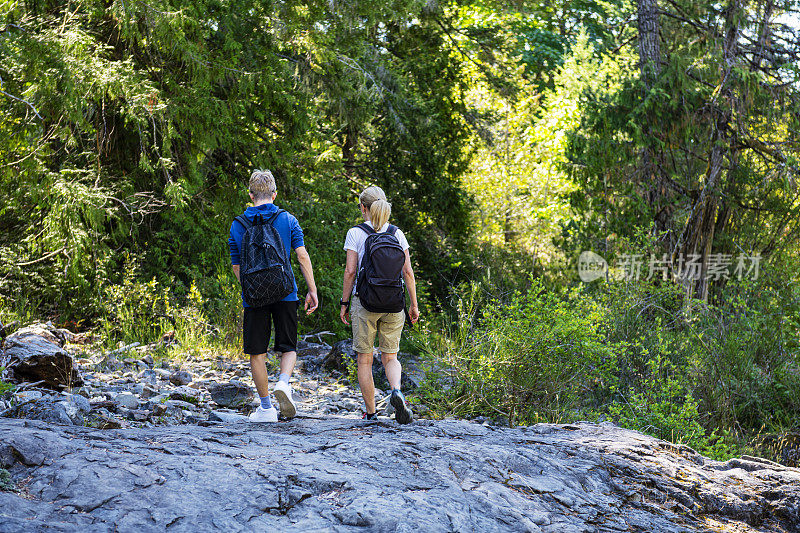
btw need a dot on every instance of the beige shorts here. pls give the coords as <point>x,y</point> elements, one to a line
<point>388,326</point>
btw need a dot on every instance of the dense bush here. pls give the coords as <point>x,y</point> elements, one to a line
<point>530,358</point>
<point>713,377</point>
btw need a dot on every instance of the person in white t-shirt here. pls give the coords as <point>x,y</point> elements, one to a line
<point>366,324</point>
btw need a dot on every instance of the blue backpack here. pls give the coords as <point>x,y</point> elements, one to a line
<point>265,272</point>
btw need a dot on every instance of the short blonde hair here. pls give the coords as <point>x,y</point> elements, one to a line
<point>374,199</point>
<point>262,184</point>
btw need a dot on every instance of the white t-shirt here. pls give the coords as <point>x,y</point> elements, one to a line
<point>356,237</point>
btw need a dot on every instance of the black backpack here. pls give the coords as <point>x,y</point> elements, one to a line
<point>379,286</point>
<point>265,273</point>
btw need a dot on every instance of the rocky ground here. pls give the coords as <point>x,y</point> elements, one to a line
<point>132,387</point>
<point>134,443</point>
<point>335,473</point>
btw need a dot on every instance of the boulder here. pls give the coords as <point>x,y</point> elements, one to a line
<point>128,400</point>
<point>231,394</point>
<point>312,355</point>
<point>49,410</point>
<point>36,353</point>
<point>186,394</point>
<point>342,355</point>
<point>180,377</point>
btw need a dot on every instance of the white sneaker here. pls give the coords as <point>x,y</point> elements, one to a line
<point>264,415</point>
<point>283,393</point>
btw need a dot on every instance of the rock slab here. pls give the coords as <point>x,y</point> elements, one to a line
<point>337,474</point>
<point>36,354</point>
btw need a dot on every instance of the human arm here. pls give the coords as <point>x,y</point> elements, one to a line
<point>233,247</point>
<point>312,300</point>
<point>411,285</point>
<point>350,268</point>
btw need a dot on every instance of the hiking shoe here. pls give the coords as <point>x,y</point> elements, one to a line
<point>264,415</point>
<point>370,416</point>
<point>283,393</point>
<point>401,411</point>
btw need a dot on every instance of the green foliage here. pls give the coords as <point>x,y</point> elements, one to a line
<point>137,311</point>
<point>659,405</point>
<point>352,370</point>
<point>640,354</point>
<point>5,387</point>
<point>530,358</point>
<point>150,116</point>
<point>6,483</point>
<point>706,123</point>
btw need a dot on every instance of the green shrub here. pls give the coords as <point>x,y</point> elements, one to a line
<point>6,483</point>
<point>136,311</point>
<point>4,385</point>
<point>747,361</point>
<point>660,406</point>
<point>531,358</point>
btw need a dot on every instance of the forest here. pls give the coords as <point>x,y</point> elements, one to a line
<point>510,136</point>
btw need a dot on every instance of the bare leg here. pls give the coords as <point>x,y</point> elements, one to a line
<point>288,360</point>
<point>392,368</point>
<point>365,381</point>
<point>260,378</point>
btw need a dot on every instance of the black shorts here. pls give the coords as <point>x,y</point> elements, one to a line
<point>282,315</point>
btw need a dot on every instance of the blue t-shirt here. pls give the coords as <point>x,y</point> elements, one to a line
<point>288,227</point>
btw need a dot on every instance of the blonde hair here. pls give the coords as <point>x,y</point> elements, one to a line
<point>262,184</point>
<point>374,199</point>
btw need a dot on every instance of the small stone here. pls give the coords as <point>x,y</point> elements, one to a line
<point>181,377</point>
<point>24,396</point>
<point>181,404</point>
<point>139,415</point>
<point>148,392</point>
<point>231,394</point>
<point>186,394</point>
<point>163,373</point>
<point>80,402</point>
<point>104,420</point>
<point>127,400</point>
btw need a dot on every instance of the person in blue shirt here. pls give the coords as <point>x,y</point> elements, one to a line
<point>282,314</point>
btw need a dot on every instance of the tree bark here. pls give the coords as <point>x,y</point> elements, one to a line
<point>650,169</point>
<point>349,150</point>
<point>698,234</point>
<point>649,41</point>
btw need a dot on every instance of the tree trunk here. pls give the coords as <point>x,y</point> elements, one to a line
<point>649,41</point>
<point>650,161</point>
<point>349,150</point>
<point>698,234</point>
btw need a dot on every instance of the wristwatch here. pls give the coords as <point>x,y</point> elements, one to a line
<point>342,302</point>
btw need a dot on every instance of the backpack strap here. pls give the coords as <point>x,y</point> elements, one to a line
<point>241,219</point>
<point>271,219</point>
<point>391,230</point>
<point>369,230</point>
